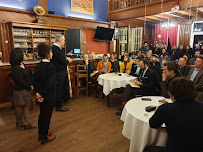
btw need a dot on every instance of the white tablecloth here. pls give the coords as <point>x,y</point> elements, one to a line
<point>112,81</point>
<point>136,125</point>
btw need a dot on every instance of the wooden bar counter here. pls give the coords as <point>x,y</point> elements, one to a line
<point>6,87</point>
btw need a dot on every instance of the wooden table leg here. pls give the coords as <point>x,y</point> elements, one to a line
<point>108,100</point>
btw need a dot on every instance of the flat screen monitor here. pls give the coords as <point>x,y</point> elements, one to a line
<point>77,51</point>
<point>104,34</point>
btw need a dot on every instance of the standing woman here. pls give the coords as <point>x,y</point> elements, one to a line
<point>114,63</point>
<point>22,77</point>
<point>45,86</point>
<point>126,65</point>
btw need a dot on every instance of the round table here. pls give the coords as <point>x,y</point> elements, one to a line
<point>112,81</point>
<point>136,124</point>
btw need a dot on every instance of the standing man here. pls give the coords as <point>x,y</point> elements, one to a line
<point>60,62</point>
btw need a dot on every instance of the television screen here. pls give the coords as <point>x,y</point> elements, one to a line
<point>76,51</point>
<point>104,34</point>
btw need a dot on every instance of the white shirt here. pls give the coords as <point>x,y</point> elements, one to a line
<point>45,60</point>
<point>145,72</point>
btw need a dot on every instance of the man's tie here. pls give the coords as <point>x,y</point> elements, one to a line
<point>141,75</point>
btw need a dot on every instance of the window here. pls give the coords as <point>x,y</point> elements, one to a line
<point>135,38</point>
<point>123,45</point>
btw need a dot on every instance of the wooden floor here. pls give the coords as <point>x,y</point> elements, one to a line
<point>89,126</point>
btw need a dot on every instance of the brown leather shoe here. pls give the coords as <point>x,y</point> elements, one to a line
<point>62,109</point>
<point>50,138</point>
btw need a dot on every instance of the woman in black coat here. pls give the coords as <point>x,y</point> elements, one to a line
<point>22,77</point>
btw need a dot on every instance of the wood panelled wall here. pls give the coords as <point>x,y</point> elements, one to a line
<point>5,41</point>
<point>152,9</point>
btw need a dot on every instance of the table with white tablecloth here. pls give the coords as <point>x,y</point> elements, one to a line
<point>111,81</point>
<point>136,124</point>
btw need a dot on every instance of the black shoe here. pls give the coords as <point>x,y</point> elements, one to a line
<point>118,113</point>
<point>62,109</point>
<point>121,108</point>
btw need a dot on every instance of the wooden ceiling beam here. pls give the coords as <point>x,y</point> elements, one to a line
<point>163,16</point>
<point>147,19</point>
<point>193,13</point>
<point>154,18</point>
<point>178,15</point>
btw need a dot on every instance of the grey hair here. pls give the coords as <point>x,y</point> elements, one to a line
<point>59,37</point>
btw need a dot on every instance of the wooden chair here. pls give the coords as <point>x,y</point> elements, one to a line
<point>72,78</point>
<point>82,72</point>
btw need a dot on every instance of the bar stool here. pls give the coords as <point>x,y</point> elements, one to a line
<point>82,72</point>
<point>72,78</point>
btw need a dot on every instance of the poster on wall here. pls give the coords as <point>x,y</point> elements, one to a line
<point>83,6</point>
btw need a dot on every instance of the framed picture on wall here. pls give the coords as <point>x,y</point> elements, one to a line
<point>83,6</point>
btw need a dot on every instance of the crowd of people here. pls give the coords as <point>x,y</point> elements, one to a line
<point>155,70</point>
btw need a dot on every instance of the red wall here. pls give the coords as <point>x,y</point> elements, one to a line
<point>95,46</point>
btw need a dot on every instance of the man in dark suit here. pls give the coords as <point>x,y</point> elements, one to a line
<point>182,119</point>
<point>122,57</point>
<point>92,73</point>
<point>156,50</point>
<point>179,52</point>
<point>60,62</point>
<point>184,69</point>
<point>197,54</point>
<point>189,51</point>
<point>170,72</point>
<point>196,75</point>
<point>136,68</point>
<point>146,83</point>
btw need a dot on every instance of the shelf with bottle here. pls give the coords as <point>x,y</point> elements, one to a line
<point>41,40</point>
<point>41,33</point>
<point>22,32</point>
<point>23,44</point>
<point>22,39</point>
<point>55,33</point>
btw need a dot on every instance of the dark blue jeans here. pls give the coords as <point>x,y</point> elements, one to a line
<point>60,77</point>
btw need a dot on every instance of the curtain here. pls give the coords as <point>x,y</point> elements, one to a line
<point>184,34</point>
<point>172,34</point>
